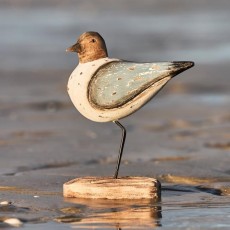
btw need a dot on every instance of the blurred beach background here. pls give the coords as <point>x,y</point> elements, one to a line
<point>181,137</point>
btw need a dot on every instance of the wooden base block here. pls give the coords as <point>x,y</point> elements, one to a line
<point>110,188</point>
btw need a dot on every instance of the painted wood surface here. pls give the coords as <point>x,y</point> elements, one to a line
<point>98,107</point>
<point>117,83</point>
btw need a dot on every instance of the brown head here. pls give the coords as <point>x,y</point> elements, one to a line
<point>90,46</point>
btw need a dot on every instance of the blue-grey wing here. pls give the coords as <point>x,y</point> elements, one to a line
<point>116,83</point>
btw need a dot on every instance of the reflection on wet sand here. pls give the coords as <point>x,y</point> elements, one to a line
<point>112,214</point>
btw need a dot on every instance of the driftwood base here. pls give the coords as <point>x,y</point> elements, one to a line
<point>110,188</point>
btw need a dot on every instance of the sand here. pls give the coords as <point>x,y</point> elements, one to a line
<point>181,137</point>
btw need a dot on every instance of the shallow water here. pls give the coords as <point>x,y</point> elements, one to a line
<point>142,215</point>
<point>181,208</point>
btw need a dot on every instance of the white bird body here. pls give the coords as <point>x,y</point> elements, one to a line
<point>78,88</point>
<point>105,93</point>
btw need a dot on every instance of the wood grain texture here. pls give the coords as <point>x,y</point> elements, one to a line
<point>110,188</point>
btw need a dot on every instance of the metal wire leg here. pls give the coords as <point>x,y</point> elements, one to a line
<point>121,147</point>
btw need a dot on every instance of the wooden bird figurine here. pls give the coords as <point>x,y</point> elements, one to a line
<point>107,89</point>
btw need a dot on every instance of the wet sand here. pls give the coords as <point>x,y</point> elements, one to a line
<point>181,137</point>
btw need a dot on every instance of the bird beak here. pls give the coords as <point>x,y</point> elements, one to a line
<point>74,48</point>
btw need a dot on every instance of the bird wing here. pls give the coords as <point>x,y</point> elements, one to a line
<point>116,83</point>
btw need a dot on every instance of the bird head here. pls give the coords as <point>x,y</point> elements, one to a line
<point>90,46</point>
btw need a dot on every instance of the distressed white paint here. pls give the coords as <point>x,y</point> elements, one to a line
<point>79,81</point>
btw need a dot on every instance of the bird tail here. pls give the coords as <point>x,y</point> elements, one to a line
<point>180,66</point>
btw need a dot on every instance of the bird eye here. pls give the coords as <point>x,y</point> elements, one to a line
<point>93,40</point>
